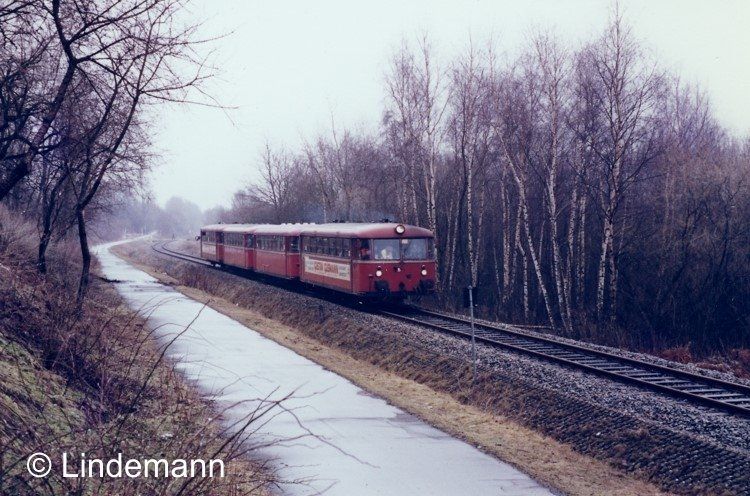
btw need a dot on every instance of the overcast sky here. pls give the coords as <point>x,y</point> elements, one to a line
<point>290,66</point>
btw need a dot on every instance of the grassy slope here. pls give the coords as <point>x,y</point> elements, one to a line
<point>94,382</point>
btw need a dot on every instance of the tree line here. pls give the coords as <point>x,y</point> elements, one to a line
<point>586,189</point>
<point>77,79</point>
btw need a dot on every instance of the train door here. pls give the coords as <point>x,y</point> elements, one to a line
<point>292,256</point>
<point>220,247</point>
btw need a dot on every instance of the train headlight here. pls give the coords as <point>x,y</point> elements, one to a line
<point>424,271</point>
<point>400,229</point>
<point>379,272</point>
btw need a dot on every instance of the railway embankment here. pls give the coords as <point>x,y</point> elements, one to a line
<point>92,381</point>
<point>542,417</point>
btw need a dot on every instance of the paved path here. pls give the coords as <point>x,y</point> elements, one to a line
<point>352,443</point>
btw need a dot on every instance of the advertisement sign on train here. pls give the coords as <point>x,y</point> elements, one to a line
<point>327,268</point>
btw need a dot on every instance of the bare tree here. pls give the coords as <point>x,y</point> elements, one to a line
<point>470,132</point>
<point>625,88</point>
<point>278,170</point>
<point>414,129</point>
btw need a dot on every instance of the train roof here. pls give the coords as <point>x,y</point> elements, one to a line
<point>365,230</point>
<point>281,229</point>
<point>349,229</point>
<point>240,228</point>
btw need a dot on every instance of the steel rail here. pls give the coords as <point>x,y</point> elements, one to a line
<point>162,249</point>
<point>717,393</point>
<point>697,388</point>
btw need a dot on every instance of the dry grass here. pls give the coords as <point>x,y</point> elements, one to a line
<point>388,375</point>
<point>95,381</point>
<point>735,361</point>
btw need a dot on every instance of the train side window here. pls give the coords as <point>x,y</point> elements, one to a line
<point>335,247</point>
<point>294,245</point>
<point>346,248</point>
<point>340,248</point>
<point>364,249</point>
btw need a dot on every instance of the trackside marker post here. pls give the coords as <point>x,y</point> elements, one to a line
<point>469,298</point>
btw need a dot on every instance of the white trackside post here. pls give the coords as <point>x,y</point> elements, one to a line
<point>473,340</point>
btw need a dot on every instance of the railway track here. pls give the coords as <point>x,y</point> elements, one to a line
<point>162,249</point>
<point>696,388</point>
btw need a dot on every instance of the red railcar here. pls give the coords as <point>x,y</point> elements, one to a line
<point>211,242</point>
<point>277,250</point>
<point>376,259</point>
<point>238,245</point>
<point>382,259</point>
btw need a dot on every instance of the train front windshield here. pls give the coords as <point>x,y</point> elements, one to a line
<point>403,249</point>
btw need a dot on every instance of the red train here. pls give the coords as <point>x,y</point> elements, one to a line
<point>380,260</point>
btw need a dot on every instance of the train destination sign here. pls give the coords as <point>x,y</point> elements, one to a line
<point>327,268</point>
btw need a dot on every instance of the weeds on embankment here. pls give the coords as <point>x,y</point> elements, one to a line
<point>96,382</point>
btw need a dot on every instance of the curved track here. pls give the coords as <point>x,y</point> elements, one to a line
<point>162,249</point>
<point>696,388</point>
